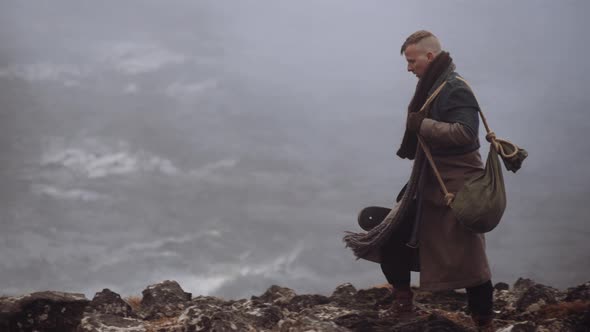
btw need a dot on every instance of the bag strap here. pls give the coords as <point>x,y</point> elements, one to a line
<point>448,196</point>
<point>490,137</point>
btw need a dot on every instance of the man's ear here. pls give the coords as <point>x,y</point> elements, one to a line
<point>430,56</point>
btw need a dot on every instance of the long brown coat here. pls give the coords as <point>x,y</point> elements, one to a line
<point>450,255</point>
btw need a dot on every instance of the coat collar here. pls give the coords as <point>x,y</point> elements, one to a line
<point>442,78</point>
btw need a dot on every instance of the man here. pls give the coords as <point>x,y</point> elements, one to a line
<point>450,256</point>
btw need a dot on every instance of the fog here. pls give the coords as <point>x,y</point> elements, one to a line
<point>228,145</point>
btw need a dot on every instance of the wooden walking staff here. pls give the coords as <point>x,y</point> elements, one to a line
<point>413,241</point>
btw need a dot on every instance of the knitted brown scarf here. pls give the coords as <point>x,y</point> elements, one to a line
<point>367,245</point>
<point>425,86</point>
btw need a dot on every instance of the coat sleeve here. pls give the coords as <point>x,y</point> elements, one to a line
<point>459,120</point>
<point>444,134</point>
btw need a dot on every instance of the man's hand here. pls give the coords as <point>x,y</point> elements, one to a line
<point>414,121</point>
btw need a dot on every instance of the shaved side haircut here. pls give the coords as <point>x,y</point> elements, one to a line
<point>423,39</point>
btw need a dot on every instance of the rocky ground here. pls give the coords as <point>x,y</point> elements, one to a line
<point>526,306</point>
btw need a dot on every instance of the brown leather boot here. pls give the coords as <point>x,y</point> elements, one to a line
<point>484,323</point>
<point>402,304</point>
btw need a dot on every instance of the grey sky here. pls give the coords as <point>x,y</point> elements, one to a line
<point>229,144</point>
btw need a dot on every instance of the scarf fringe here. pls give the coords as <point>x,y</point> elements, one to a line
<point>363,244</point>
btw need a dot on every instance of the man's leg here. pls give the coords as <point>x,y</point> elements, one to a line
<point>396,257</point>
<point>396,264</point>
<point>480,301</point>
<point>397,268</point>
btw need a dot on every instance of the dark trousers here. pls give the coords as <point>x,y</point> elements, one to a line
<point>480,299</point>
<point>396,257</point>
<point>397,261</point>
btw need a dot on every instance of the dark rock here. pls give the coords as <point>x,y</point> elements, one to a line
<point>555,324</point>
<point>109,322</point>
<point>522,284</point>
<point>268,317</point>
<point>226,321</point>
<point>504,304</point>
<point>42,311</point>
<point>212,301</point>
<point>581,292</point>
<point>166,299</point>
<point>300,302</point>
<point>213,314</point>
<point>448,300</point>
<point>371,298</point>
<point>431,323</point>
<point>279,309</point>
<point>343,294</point>
<point>305,324</point>
<point>108,302</point>
<point>501,286</point>
<point>240,316</point>
<point>531,296</point>
<point>584,322</point>
<point>361,321</point>
<point>197,317</point>
<point>276,294</point>
<point>537,295</point>
<point>262,315</point>
<point>108,311</point>
<point>522,327</point>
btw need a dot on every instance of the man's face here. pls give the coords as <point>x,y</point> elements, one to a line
<point>418,59</point>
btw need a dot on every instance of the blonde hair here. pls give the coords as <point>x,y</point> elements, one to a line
<point>424,38</point>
